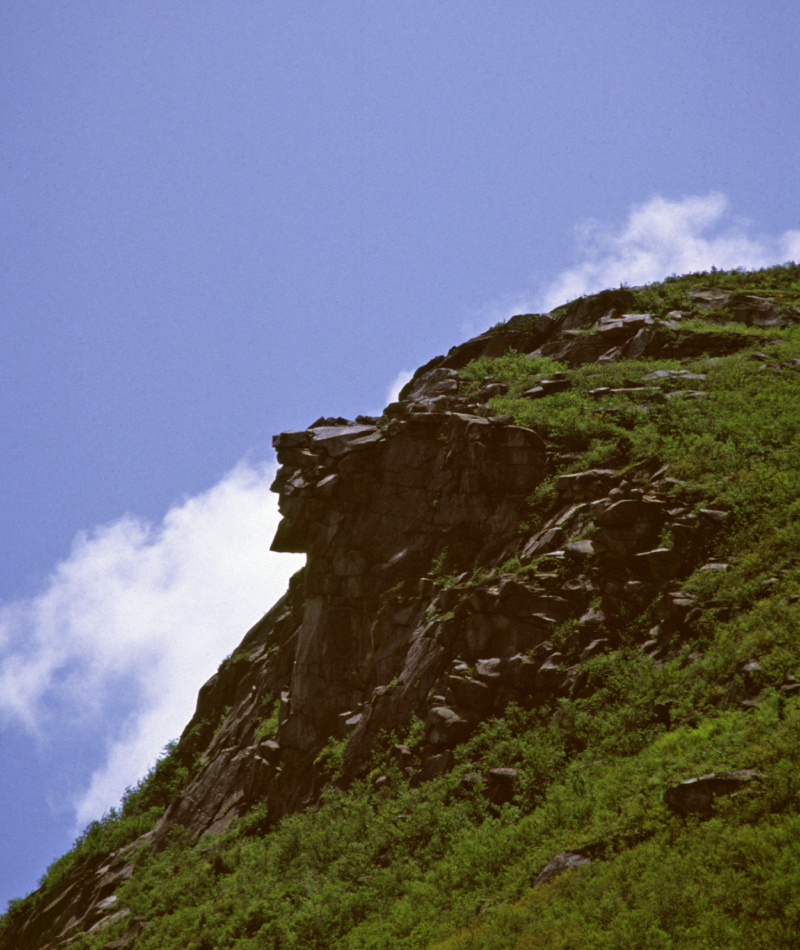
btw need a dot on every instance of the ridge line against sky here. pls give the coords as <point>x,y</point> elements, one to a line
<point>657,238</point>
<point>220,221</point>
<point>138,615</point>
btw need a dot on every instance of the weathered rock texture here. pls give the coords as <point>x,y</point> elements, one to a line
<point>373,510</point>
<point>696,795</point>
<point>403,609</point>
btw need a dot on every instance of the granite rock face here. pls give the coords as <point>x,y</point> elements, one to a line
<point>374,510</point>
<point>405,610</point>
<point>82,903</point>
<point>696,795</point>
<point>388,620</point>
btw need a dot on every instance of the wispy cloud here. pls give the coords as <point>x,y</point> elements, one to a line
<point>392,393</point>
<point>136,619</point>
<point>662,237</point>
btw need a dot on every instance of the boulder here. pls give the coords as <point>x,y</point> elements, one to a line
<point>470,694</point>
<point>491,670</point>
<point>548,539</point>
<point>756,311</point>
<point>594,648</point>
<point>436,765</point>
<point>709,298</point>
<point>550,677</point>
<point>436,382</point>
<point>590,623</point>
<point>334,440</point>
<point>632,511</point>
<point>501,785</point>
<point>588,310</point>
<point>291,440</point>
<point>659,565</point>
<point>696,795</point>
<point>445,727</point>
<point>566,861</point>
<point>546,387</point>
<point>617,329</point>
<point>584,486</point>
<point>521,672</point>
<point>627,526</point>
<point>517,599</point>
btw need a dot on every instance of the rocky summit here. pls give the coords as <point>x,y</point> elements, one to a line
<point>536,684</point>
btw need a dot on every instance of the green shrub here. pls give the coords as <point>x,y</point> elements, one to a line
<point>437,864</point>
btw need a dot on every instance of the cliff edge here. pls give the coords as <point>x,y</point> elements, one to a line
<point>546,500</point>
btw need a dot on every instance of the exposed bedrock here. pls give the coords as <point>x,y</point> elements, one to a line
<point>388,621</point>
<point>426,600</point>
<point>373,509</point>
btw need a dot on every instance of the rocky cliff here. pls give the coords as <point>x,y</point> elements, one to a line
<point>460,561</point>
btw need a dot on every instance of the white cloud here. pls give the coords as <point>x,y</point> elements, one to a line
<point>790,246</point>
<point>142,615</point>
<point>662,237</point>
<point>393,392</point>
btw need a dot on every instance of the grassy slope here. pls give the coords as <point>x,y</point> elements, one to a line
<point>435,865</point>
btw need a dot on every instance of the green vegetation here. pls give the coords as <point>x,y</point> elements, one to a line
<point>737,447</point>
<point>513,369</point>
<point>269,727</point>
<point>331,758</point>
<point>407,867</point>
<point>391,863</point>
<point>139,811</point>
<point>782,284</point>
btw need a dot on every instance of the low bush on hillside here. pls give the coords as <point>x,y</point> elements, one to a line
<point>394,864</point>
<point>406,867</point>
<point>141,807</point>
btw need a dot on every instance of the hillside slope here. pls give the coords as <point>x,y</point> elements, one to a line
<point>536,685</point>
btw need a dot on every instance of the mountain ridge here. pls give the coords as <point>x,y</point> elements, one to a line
<point>554,530</point>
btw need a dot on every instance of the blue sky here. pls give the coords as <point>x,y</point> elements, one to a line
<point>224,220</point>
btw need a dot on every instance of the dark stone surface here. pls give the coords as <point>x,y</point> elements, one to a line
<point>566,861</point>
<point>401,610</point>
<point>696,795</point>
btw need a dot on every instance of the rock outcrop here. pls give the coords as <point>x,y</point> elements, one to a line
<point>412,606</point>
<point>350,650</point>
<point>696,795</point>
<point>390,618</point>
